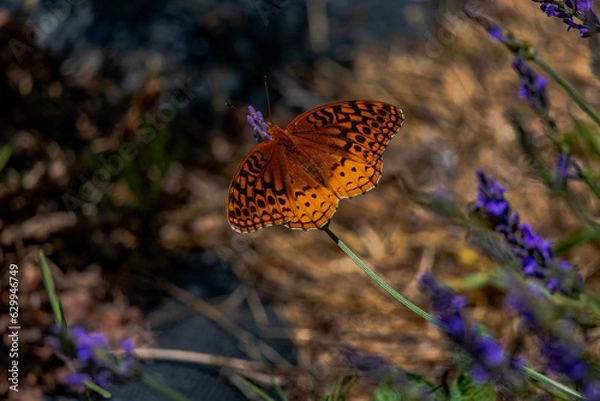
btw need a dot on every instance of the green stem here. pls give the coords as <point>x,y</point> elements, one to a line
<point>561,387</point>
<point>380,281</point>
<point>570,89</point>
<point>161,388</point>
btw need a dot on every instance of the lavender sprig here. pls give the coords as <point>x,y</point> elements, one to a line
<point>487,357</point>
<point>527,52</point>
<point>92,359</point>
<point>260,127</point>
<point>533,251</point>
<point>569,9</point>
<point>566,169</point>
<point>554,334</point>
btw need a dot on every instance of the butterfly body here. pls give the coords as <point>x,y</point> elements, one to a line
<point>297,177</point>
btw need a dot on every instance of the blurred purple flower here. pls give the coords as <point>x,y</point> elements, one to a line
<point>487,356</point>
<point>591,391</point>
<point>446,306</point>
<point>260,127</point>
<point>532,85</point>
<point>566,169</point>
<point>374,365</point>
<point>92,357</point>
<point>87,343</point>
<point>533,251</point>
<point>584,5</point>
<point>76,379</point>
<point>496,33</point>
<point>555,335</point>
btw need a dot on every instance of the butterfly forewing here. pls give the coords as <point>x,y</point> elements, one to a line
<point>258,194</point>
<point>360,128</point>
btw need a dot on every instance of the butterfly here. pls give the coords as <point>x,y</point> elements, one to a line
<point>296,176</point>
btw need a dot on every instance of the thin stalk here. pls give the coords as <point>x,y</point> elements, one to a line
<point>161,388</point>
<point>570,89</point>
<point>380,281</point>
<point>561,387</point>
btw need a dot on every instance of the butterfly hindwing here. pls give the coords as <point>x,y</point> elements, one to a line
<point>258,194</point>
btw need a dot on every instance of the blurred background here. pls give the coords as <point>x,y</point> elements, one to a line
<point>117,150</point>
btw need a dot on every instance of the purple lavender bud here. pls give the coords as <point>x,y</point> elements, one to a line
<point>531,267</point>
<point>445,305</point>
<point>534,252</point>
<point>490,352</point>
<point>496,34</point>
<point>76,379</point>
<point>87,343</point>
<point>532,85</point>
<point>552,10</point>
<point>260,127</point>
<point>583,31</point>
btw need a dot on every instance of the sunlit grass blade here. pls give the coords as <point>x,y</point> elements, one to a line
<point>340,391</point>
<point>161,388</point>
<point>5,153</point>
<point>55,303</point>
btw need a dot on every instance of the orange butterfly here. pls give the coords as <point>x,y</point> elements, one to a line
<point>296,176</point>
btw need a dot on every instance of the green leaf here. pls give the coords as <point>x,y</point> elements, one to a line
<point>465,388</point>
<point>387,393</point>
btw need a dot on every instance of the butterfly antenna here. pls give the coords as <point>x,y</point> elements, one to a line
<point>267,93</point>
<point>236,108</point>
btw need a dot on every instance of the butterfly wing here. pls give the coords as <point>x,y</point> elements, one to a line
<point>258,193</point>
<point>347,140</point>
<point>314,202</point>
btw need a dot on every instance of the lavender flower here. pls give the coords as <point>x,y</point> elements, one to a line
<point>563,354</point>
<point>493,29</point>
<point>533,86</point>
<point>487,357</point>
<point>374,365</point>
<point>260,127</point>
<point>92,358</point>
<point>566,168</point>
<point>552,10</point>
<point>581,9</point>
<point>533,251</point>
<point>496,33</point>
